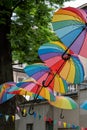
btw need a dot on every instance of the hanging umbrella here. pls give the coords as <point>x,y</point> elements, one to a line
<point>83,105</point>
<point>70,25</point>
<point>4,88</point>
<point>64,102</point>
<point>65,64</point>
<point>20,91</point>
<point>32,89</point>
<point>45,77</point>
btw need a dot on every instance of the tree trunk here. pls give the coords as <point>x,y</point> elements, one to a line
<point>6,73</point>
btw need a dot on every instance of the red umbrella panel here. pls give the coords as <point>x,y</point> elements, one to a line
<point>46,78</point>
<point>62,62</point>
<point>70,25</point>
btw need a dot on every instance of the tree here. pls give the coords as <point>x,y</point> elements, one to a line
<point>24,26</point>
<point>30,28</point>
<point>22,34</point>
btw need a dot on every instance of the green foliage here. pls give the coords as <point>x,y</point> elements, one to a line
<point>31,27</point>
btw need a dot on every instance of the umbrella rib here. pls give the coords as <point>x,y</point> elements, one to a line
<point>72,43</point>
<point>79,17</point>
<point>75,24</point>
<point>82,44</point>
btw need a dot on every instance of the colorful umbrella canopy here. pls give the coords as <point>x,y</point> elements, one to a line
<point>66,64</point>
<point>25,93</point>
<point>83,105</point>
<point>64,102</point>
<point>44,76</point>
<point>70,25</point>
<point>32,88</point>
<point>4,88</point>
<point>19,91</point>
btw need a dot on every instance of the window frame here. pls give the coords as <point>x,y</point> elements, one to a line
<point>29,126</point>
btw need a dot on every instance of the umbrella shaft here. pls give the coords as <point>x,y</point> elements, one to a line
<point>74,41</point>
<point>47,82</point>
<point>38,92</point>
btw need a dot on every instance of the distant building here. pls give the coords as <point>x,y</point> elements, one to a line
<point>18,73</point>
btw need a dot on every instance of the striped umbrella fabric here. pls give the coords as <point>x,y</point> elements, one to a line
<point>70,25</point>
<point>46,78</point>
<point>64,63</point>
<point>64,102</point>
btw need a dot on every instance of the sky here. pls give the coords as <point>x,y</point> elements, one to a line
<point>75,3</point>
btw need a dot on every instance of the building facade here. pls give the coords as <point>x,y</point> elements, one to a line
<point>47,117</point>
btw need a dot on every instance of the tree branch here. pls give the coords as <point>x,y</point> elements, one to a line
<point>17,4</point>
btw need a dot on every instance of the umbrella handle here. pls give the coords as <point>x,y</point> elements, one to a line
<point>61,115</point>
<point>43,83</point>
<point>31,112</point>
<point>66,56</point>
<point>37,100</point>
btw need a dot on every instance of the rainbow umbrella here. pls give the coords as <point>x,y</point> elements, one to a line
<point>26,93</point>
<point>83,105</point>
<point>65,64</point>
<point>70,25</point>
<point>64,102</point>
<point>4,88</point>
<point>33,89</point>
<point>46,78</point>
<point>19,91</point>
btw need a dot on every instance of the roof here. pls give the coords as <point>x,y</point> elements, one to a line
<point>83,6</point>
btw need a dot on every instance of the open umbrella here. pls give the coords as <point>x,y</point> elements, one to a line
<point>70,25</point>
<point>45,77</point>
<point>65,64</point>
<point>4,88</point>
<point>83,105</point>
<point>64,102</point>
<point>32,89</point>
<point>19,91</point>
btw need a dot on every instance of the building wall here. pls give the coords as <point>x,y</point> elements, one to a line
<point>83,113</point>
<point>19,75</point>
<point>77,117</point>
<point>70,116</point>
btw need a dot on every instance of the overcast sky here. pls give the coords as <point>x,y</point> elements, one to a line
<point>75,3</point>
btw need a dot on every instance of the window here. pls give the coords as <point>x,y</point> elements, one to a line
<point>19,79</point>
<point>49,125</point>
<point>29,127</point>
